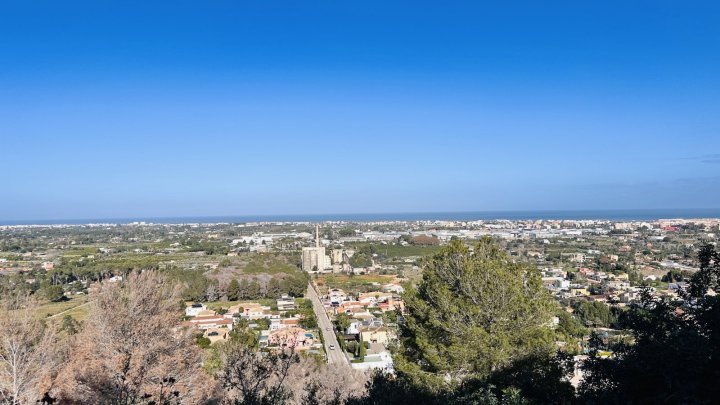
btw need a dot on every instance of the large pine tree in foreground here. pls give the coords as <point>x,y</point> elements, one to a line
<point>475,315</point>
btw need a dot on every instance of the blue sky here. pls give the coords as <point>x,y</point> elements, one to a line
<point>136,109</point>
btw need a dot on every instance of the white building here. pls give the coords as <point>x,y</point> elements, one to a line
<point>336,296</point>
<point>194,309</point>
<point>353,329</point>
<point>382,361</point>
<point>285,303</point>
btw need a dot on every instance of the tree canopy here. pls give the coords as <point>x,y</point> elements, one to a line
<point>475,312</point>
<point>676,354</point>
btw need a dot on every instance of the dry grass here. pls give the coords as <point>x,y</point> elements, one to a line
<point>353,283</point>
<point>49,309</point>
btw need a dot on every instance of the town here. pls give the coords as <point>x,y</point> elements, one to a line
<point>359,203</point>
<point>333,291</point>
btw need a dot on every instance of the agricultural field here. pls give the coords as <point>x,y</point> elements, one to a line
<point>354,283</point>
<point>395,251</point>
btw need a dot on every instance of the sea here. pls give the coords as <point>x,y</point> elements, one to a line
<point>613,215</point>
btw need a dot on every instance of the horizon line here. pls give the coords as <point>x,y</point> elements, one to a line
<point>384,216</point>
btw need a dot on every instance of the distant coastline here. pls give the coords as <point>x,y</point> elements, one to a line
<point>613,215</point>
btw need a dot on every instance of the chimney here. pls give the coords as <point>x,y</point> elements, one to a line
<point>317,235</point>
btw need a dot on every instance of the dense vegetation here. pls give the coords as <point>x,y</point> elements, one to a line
<point>676,354</point>
<point>244,289</point>
<point>476,330</point>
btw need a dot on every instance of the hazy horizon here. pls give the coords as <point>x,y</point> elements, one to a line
<point>600,214</point>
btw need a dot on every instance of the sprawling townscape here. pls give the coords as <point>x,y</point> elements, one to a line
<point>359,202</point>
<point>334,290</point>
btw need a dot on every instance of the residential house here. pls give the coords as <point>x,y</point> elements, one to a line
<point>194,309</point>
<point>211,321</point>
<point>354,328</point>
<point>376,334</point>
<point>283,323</point>
<point>336,296</point>
<point>377,358</point>
<point>373,298</point>
<point>393,288</point>
<point>296,337</point>
<point>578,291</point>
<point>286,303</point>
<point>350,307</point>
<point>253,310</point>
<point>217,334</point>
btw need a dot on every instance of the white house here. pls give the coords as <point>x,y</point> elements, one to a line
<point>393,287</point>
<point>194,309</point>
<point>382,361</point>
<point>336,296</point>
<point>286,303</point>
<point>353,329</point>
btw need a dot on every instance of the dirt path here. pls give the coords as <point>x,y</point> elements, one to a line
<point>69,309</point>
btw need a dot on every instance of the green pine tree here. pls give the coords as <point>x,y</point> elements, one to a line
<point>475,311</point>
<point>233,290</point>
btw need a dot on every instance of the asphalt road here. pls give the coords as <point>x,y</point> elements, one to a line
<point>335,356</point>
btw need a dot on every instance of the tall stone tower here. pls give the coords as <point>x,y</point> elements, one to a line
<point>313,258</point>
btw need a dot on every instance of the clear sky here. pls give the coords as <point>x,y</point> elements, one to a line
<point>173,108</point>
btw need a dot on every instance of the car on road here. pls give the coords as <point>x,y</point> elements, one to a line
<point>332,347</point>
<point>327,329</point>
